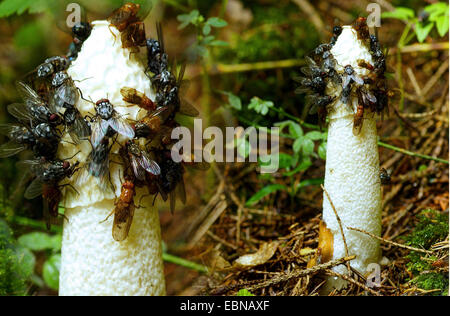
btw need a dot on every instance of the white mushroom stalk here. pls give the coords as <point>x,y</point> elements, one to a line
<point>93,263</point>
<point>352,171</point>
<point>352,176</point>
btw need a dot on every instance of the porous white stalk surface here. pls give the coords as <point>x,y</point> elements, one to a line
<point>352,168</point>
<point>92,262</point>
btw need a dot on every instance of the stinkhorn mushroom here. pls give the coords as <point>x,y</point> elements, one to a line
<point>345,82</point>
<point>92,262</point>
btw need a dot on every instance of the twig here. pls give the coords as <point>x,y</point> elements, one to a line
<point>410,153</point>
<point>414,82</point>
<point>263,65</point>
<point>391,242</point>
<point>441,70</point>
<point>206,224</point>
<point>220,240</point>
<point>340,226</point>
<point>418,115</point>
<point>301,273</point>
<point>420,48</point>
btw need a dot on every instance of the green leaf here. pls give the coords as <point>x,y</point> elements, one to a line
<point>322,150</point>
<point>271,188</point>
<point>244,292</point>
<point>243,147</point>
<point>304,165</point>
<point>308,182</point>
<point>216,22</point>
<point>26,261</point>
<point>314,135</point>
<point>285,160</point>
<point>297,146</point>
<point>295,130</point>
<point>233,100</point>
<point>260,106</point>
<point>50,271</point>
<point>186,19</point>
<point>437,8</point>
<point>218,43</point>
<point>442,25</point>
<point>206,29</point>
<point>422,31</point>
<point>400,13</point>
<point>208,39</point>
<point>307,147</point>
<point>10,7</point>
<point>38,241</point>
<point>201,50</point>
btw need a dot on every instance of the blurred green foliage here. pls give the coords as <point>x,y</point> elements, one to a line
<point>433,15</point>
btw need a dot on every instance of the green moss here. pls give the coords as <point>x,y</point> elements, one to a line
<point>431,228</point>
<point>432,281</point>
<point>11,280</point>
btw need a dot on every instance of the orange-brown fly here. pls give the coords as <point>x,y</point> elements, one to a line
<point>361,28</point>
<point>126,20</point>
<point>133,96</point>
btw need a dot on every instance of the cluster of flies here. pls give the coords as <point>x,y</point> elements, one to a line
<point>48,112</point>
<point>320,71</point>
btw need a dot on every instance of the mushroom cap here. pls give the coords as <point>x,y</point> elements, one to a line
<point>101,69</point>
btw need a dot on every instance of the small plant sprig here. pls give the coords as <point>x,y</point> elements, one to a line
<point>433,15</point>
<point>303,148</point>
<point>205,39</point>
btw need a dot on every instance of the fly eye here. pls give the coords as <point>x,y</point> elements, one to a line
<point>66,165</point>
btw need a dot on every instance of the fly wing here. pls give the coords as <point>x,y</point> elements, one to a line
<point>148,164</point>
<point>10,149</point>
<point>20,111</point>
<point>137,170</point>
<point>28,94</point>
<point>34,189</point>
<point>35,166</point>
<point>98,133</point>
<point>369,96</point>
<point>311,104</point>
<point>80,128</point>
<point>122,127</point>
<point>357,79</point>
<point>346,81</point>
<point>173,196</point>
<point>302,89</point>
<point>181,191</point>
<point>6,129</point>
<point>187,108</point>
<point>310,64</point>
<point>123,218</point>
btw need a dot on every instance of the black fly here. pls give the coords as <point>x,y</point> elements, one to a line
<point>34,110</point>
<point>140,161</point>
<point>66,95</point>
<point>52,65</point>
<point>48,175</point>
<point>107,122</point>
